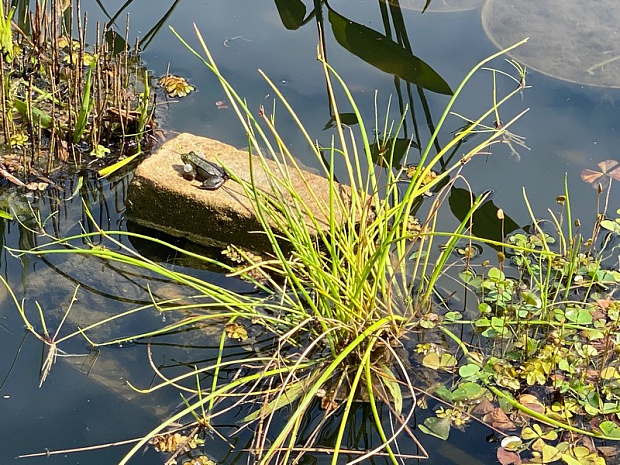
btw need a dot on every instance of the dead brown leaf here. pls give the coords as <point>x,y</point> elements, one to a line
<point>498,419</point>
<point>506,457</point>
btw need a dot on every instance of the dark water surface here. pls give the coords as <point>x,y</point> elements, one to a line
<point>569,127</point>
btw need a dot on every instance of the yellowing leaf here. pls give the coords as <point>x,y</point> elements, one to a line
<point>236,331</point>
<point>436,362</point>
<point>175,86</point>
<point>610,373</point>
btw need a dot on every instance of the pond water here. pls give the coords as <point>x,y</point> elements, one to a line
<point>569,127</point>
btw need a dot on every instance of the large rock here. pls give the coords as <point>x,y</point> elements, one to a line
<point>160,198</point>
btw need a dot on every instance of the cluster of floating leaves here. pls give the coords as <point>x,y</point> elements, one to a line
<point>175,86</point>
<point>236,331</point>
<point>172,442</point>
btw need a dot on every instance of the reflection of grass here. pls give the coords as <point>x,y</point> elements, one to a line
<point>339,300</point>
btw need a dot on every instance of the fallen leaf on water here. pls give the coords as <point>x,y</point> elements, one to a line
<point>507,458</point>
<point>610,169</point>
<point>498,419</point>
<point>530,401</point>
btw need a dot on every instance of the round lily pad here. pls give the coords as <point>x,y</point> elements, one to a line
<point>571,40</point>
<point>447,6</point>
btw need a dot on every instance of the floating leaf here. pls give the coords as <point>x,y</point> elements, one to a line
<point>613,226</point>
<point>545,453</point>
<point>468,370</point>
<point>438,427</point>
<point>506,457</point>
<point>536,432</point>
<point>348,119</point>
<point>610,169</point>
<point>611,429</point>
<point>468,392</point>
<point>175,86</point>
<point>511,442</point>
<point>436,362</point>
<point>498,419</point>
<point>531,402</point>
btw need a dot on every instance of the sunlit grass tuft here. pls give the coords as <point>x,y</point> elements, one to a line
<point>348,280</point>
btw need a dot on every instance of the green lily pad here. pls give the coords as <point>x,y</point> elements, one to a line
<point>569,39</point>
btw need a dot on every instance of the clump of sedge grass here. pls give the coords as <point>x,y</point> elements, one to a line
<point>344,289</point>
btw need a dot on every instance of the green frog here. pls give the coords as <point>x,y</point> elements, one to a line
<point>212,176</point>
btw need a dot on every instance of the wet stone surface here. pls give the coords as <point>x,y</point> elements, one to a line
<point>160,196</point>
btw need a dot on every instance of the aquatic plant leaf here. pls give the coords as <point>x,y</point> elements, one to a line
<point>506,457</point>
<point>610,373</point>
<point>610,169</point>
<point>348,119</point>
<point>589,459</point>
<point>467,392</point>
<point>498,419</point>
<point>613,226</point>
<point>5,215</point>
<point>389,380</point>
<point>391,152</point>
<point>471,369</point>
<point>438,427</point>
<point>236,331</point>
<point>486,223</point>
<point>578,315</point>
<point>115,42</point>
<point>292,392</point>
<point>536,432</point>
<point>381,52</point>
<point>292,13</point>
<point>38,116</point>
<point>511,442</point>
<point>611,429</point>
<point>200,460</point>
<point>6,33</point>
<point>545,453</point>
<point>436,362</point>
<point>175,86</point>
<point>531,402</point>
<point>108,170</point>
